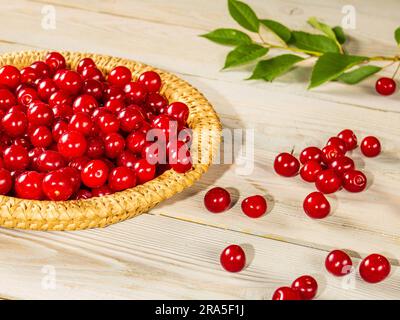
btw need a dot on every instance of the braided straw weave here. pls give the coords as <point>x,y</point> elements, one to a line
<point>106,210</point>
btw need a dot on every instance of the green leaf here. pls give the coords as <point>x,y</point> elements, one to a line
<point>279,29</point>
<point>340,36</point>
<point>331,65</point>
<point>397,36</point>
<point>243,15</point>
<point>322,27</point>
<point>244,54</point>
<point>275,67</point>
<point>359,74</point>
<point>229,37</point>
<point>314,42</point>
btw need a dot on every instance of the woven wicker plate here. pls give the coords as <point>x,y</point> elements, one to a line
<point>103,211</point>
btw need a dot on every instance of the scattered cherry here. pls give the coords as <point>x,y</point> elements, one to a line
<point>286,165</point>
<point>233,258</point>
<point>310,170</point>
<point>374,268</point>
<point>341,165</point>
<point>385,86</point>
<point>338,263</point>
<point>217,200</point>
<point>328,181</point>
<point>349,139</point>
<point>307,286</point>
<point>254,206</point>
<point>354,181</point>
<point>316,205</point>
<point>286,293</point>
<point>370,146</point>
<point>311,153</point>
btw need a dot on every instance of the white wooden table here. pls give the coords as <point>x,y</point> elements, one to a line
<point>173,251</point>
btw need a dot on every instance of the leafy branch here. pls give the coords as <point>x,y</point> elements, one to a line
<point>327,47</point>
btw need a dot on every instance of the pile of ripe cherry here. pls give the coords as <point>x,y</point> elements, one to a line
<point>330,169</point>
<point>69,134</point>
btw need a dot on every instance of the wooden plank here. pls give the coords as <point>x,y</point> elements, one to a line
<point>159,258</point>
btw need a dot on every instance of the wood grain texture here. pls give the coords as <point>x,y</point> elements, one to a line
<point>173,253</point>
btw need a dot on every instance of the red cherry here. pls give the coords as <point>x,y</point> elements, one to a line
<point>41,137</point>
<point>254,206</point>
<point>72,144</point>
<point>354,181</point>
<point>28,185</point>
<point>316,205</point>
<point>135,93</point>
<point>33,155</point>
<point>151,80</point>
<point>59,128</point>
<point>9,76</point>
<point>307,286</point>
<point>337,142</point>
<point>69,81</point>
<point>135,142</point>
<point>114,106</point>
<point>79,163</point>
<point>114,144</point>
<point>127,159</point>
<point>55,61</point>
<point>121,178</point>
<point>29,75</point>
<point>26,96</point>
<point>179,156</point>
<point>7,99</point>
<point>130,119</point>
<point>101,191</point>
<point>217,200</point>
<point>95,148</point>
<point>370,146</point>
<point>338,263</point>
<point>144,171</point>
<point>374,268</point>
<point>178,111</point>
<point>74,175</point>
<point>349,139</point>
<point>108,123</point>
<point>93,87</point>
<point>41,68</point>
<point>83,194</point>
<point>310,170</point>
<point>92,73</point>
<point>342,165</point>
<point>119,76</point>
<point>233,258</point>
<point>81,122</point>
<point>113,93</point>
<point>46,88</point>
<point>85,103</point>
<point>286,293</point>
<point>156,103</point>
<point>94,174</point>
<point>85,63</point>
<point>15,123</point>
<point>5,181</point>
<point>59,98</point>
<point>57,186</point>
<point>331,153</point>
<point>385,86</point>
<point>40,114</point>
<point>49,160</point>
<point>15,158</point>
<point>286,165</point>
<point>23,142</point>
<point>328,182</point>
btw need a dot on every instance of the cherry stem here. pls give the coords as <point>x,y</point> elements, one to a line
<point>397,70</point>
